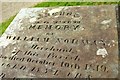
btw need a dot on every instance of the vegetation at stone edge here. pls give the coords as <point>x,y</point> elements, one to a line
<point>5,24</point>
<point>51,4</point>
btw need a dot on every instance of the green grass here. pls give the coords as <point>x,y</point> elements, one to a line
<point>51,4</point>
<point>5,24</point>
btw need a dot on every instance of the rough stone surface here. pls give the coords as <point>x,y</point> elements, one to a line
<point>8,9</point>
<point>61,42</point>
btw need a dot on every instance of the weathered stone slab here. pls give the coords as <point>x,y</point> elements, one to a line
<point>61,42</point>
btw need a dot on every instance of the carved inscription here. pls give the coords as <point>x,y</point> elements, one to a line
<point>64,42</point>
